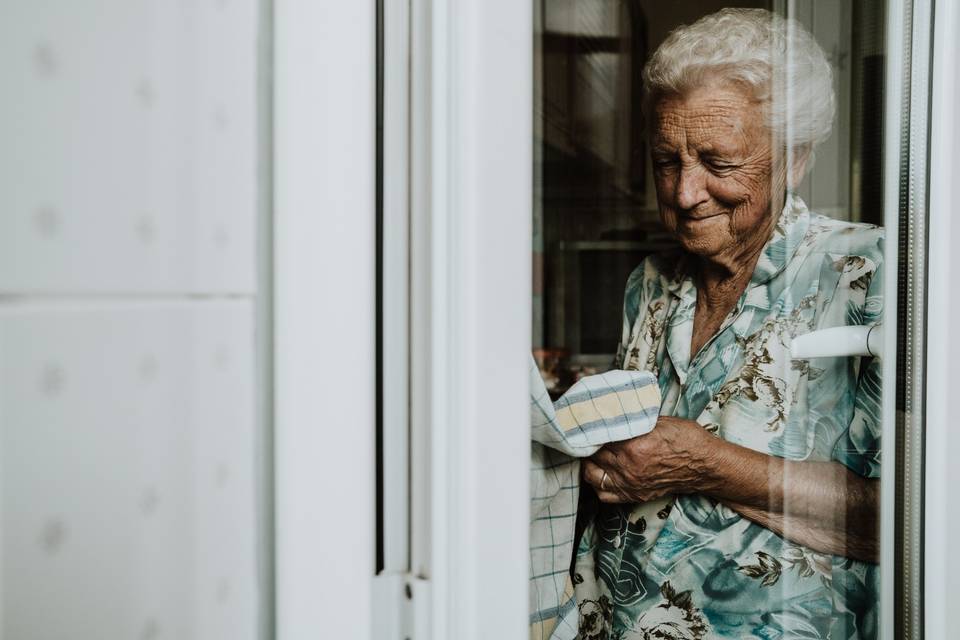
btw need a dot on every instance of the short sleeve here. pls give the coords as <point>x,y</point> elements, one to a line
<point>859,445</point>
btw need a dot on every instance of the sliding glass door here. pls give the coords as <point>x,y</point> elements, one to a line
<point>644,158</point>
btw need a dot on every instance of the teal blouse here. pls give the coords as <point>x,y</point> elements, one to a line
<point>689,567</point>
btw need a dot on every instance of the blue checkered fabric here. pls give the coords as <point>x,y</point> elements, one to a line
<point>607,407</point>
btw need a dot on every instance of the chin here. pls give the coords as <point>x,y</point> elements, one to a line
<point>705,238</point>
<point>701,246</point>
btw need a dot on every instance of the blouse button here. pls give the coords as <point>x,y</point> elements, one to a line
<point>617,541</point>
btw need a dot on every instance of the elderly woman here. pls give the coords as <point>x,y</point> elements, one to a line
<point>751,510</point>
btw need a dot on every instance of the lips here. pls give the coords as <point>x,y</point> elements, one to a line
<point>700,218</point>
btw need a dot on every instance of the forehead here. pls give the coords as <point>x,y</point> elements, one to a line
<point>711,116</point>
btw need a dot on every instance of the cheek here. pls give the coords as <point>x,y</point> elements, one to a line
<point>664,186</point>
<point>737,190</point>
<point>749,200</point>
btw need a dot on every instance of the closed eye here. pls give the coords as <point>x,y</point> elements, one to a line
<point>719,166</point>
<point>664,161</point>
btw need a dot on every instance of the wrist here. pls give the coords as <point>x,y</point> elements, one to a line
<point>705,453</point>
<point>714,465</point>
<point>738,474</point>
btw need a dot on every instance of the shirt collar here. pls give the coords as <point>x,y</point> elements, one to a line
<point>788,233</point>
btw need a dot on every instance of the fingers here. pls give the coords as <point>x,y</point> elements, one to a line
<point>606,457</point>
<point>593,474</point>
<point>605,488</point>
<point>609,497</point>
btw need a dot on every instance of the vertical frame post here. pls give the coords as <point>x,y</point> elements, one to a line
<point>942,567</point>
<point>911,311</point>
<point>395,290</point>
<point>897,64</point>
<point>325,275</point>
<point>471,285</point>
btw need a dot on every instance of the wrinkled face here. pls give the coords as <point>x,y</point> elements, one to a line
<point>715,173</point>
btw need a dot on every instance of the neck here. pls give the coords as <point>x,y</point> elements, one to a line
<point>725,279</point>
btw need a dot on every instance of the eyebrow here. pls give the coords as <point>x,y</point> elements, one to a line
<point>721,153</point>
<point>708,150</point>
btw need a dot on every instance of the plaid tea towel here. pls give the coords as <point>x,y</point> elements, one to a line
<point>607,407</point>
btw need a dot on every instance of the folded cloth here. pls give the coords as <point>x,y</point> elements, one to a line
<point>607,407</point>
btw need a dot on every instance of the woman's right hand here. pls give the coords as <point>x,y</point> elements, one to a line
<point>674,458</point>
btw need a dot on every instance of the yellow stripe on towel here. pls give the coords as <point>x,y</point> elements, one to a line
<point>608,406</point>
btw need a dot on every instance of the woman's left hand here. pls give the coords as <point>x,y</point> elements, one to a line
<point>672,459</point>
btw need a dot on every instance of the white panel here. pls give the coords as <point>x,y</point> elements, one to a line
<point>222,403</point>
<point>128,155</point>
<point>126,456</point>
<point>324,317</point>
<point>942,565</point>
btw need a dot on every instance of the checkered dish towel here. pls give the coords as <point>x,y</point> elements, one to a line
<point>607,407</point>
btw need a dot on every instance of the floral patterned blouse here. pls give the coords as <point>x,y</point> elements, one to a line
<point>689,568</point>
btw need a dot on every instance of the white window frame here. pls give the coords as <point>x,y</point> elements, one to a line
<point>470,196</point>
<point>942,517</point>
<point>324,274</point>
<point>893,87</point>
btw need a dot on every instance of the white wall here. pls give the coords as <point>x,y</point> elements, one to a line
<point>128,186</point>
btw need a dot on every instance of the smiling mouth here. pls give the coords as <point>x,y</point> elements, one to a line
<point>702,218</point>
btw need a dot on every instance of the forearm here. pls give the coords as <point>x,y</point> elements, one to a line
<point>736,474</point>
<point>821,505</point>
<point>817,534</point>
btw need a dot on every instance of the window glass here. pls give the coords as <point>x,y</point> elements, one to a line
<point>708,197</point>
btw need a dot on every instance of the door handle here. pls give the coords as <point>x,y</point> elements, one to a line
<point>858,340</point>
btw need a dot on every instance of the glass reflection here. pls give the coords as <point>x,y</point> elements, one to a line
<point>751,509</point>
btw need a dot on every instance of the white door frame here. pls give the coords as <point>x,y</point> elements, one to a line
<point>324,270</point>
<point>942,516</point>
<point>471,140</point>
<point>470,197</point>
<point>893,86</point>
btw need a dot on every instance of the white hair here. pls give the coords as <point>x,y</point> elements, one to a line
<point>776,58</point>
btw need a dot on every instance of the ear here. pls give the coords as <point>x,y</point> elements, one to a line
<point>801,156</point>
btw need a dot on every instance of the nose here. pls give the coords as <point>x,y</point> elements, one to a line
<point>691,187</point>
